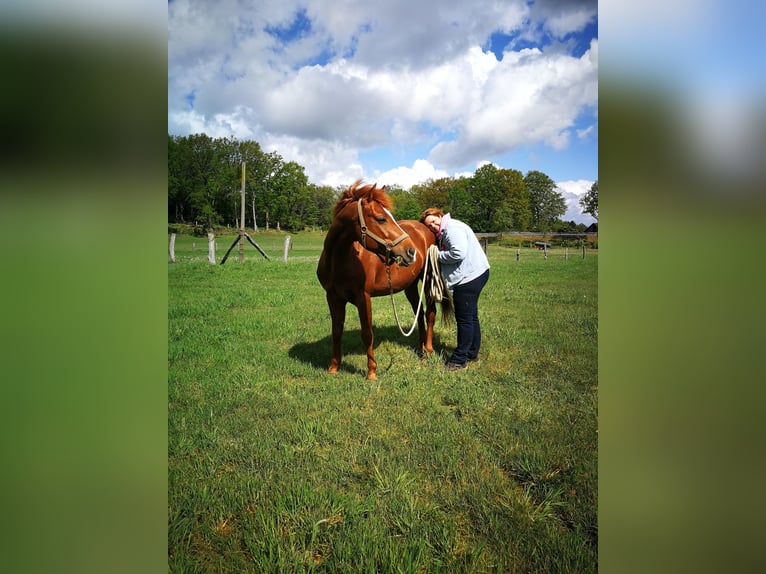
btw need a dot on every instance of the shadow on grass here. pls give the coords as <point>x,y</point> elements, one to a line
<point>317,353</point>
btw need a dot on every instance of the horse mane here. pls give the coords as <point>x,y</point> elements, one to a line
<point>368,191</point>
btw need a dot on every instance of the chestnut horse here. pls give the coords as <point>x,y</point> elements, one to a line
<point>367,253</point>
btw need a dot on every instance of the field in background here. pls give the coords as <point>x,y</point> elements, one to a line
<point>276,466</point>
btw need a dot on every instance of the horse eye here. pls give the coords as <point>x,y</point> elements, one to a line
<point>380,219</point>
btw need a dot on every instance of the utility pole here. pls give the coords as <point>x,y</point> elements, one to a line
<point>242,233</point>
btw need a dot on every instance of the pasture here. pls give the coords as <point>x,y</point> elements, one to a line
<point>276,466</point>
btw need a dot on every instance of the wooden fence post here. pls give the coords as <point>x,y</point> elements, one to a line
<point>287,247</point>
<point>211,248</point>
<point>172,248</point>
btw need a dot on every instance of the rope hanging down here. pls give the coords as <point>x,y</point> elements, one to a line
<point>436,288</point>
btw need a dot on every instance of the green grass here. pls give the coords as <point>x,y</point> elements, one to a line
<point>276,466</point>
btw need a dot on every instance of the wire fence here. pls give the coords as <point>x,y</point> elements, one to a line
<point>566,245</point>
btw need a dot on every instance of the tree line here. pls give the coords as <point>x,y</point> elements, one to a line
<point>205,183</point>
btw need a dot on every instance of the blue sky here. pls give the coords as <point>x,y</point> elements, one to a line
<point>395,92</point>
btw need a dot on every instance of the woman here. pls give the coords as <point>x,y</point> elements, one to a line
<point>465,268</point>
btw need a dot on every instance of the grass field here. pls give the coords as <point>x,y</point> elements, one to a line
<point>276,466</point>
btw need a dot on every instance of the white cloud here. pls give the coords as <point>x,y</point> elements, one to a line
<point>561,17</point>
<point>398,73</point>
<point>406,177</point>
<point>586,133</point>
<point>572,191</point>
<point>221,125</point>
<point>325,163</point>
<point>528,97</point>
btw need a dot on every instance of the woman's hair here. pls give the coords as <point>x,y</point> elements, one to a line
<point>431,211</point>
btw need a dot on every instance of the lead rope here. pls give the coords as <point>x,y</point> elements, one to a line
<point>436,290</point>
<point>437,287</point>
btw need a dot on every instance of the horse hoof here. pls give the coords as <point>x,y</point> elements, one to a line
<point>372,377</point>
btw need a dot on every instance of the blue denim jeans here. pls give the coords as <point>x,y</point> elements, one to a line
<point>466,300</point>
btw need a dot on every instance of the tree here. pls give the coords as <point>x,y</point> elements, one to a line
<point>405,203</point>
<point>517,200</point>
<point>203,180</point>
<point>227,179</point>
<point>589,201</point>
<point>433,193</point>
<point>546,204</point>
<point>295,197</point>
<point>265,181</point>
<point>568,227</point>
<point>489,198</point>
<point>178,185</point>
<point>251,155</point>
<point>204,187</point>
<point>459,201</point>
<point>286,194</point>
<point>324,197</point>
<point>202,164</point>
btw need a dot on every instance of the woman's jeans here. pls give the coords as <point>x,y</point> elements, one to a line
<point>466,300</point>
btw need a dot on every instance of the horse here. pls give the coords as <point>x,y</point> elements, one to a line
<point>367,253</point>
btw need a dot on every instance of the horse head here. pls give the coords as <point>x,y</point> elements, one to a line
<point>377,228</point>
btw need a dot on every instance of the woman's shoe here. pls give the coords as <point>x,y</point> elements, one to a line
<point>455,366</point>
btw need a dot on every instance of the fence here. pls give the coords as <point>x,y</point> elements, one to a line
<point>212,247</point>
<point>565,245</point>
<point>542,241</point>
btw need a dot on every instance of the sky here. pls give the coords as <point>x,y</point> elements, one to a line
<point>394,92</point>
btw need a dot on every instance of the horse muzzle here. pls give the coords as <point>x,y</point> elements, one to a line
<point>408,257</point>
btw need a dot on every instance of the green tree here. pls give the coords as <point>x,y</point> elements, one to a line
<point>546,204</point>
<point>324,197</point>
<point>459,201</point>
<point>567,226</point>
<point>226,180</point>
<point>250,153</point>
<point>201,165</point>
<point>295,197</point>
<point>488,196</point>
<point>284,187</point>
<point>516,199</point>
<point>179,184</point>
<point>405,203</point>
<point>267,189</point>
<point>433,193</point>
<point>589,201</point>
<point>203,180</point>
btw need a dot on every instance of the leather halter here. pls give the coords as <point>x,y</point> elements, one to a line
<point>389,245</point>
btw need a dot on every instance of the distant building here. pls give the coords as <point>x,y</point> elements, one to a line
<point>592,228</point>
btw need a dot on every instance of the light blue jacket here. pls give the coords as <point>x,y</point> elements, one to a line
<point>461,257</point>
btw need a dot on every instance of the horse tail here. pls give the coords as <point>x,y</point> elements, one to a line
<point>448,309</point>
<point>436,288</point>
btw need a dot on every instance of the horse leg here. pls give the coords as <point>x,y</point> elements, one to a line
<point>427,315</point>
<point>430,313</point>
<point>338,314</point>
<point>364,306</point>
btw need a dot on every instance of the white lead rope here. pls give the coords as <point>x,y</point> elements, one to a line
<point>436,289</point>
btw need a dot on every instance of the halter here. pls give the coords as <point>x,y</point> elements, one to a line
<point>389,245</point>
<point>437,288</point>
